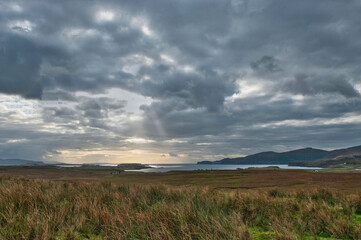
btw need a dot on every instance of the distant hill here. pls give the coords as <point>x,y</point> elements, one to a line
<point>304,154</point>
<point>333,163</point>
<point>8,162</point>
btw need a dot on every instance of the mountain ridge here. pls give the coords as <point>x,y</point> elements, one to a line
<point>303,154</point>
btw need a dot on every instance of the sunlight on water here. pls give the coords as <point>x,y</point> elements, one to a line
<point>195,167</point>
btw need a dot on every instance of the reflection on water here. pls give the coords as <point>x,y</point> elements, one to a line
<point>192,167</point>
<point>87,164</point>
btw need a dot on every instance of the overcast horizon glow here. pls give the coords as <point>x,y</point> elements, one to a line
<point>177,81</point>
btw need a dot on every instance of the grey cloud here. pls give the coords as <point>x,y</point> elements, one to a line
<point>189,64</point>
<point>101,103</point>
<point>267,64</point>
<point>172,154</point>
<point>59,95</point>
<point>240,115</point>
<point>206,89</point>
<point>124,40</point>
<point>311,85</point>
<point>20,64</point>
<point>21,60</point>
<point>38,145</point>
<point>90,112</point>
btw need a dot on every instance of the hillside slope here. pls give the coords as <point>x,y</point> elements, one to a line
<point>304,154</point>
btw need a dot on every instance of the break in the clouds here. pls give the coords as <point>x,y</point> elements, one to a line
<point>177,81</point>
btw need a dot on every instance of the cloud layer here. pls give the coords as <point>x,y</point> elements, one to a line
<point>177,80</point>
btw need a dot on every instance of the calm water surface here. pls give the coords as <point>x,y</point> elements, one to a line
<point>192,167</point>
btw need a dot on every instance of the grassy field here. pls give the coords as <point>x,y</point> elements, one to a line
<point>255,179</point>
<point>52,203</point>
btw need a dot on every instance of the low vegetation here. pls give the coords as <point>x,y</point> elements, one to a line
<point>343,163</point>
<point>48,209</point>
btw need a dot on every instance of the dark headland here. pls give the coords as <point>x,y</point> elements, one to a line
<point>300,157</point>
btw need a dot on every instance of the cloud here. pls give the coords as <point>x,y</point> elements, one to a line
<point>20,63</point>
<point>235,76</point>
<point>171,154</point>
<point>327,84</point>
<point>205,89</point>
<point>58,95</point>
<point>267,64</point>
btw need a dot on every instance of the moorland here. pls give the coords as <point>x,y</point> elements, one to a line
<point>47,202</point>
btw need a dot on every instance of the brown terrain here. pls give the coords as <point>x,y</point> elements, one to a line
<point>255,179</point>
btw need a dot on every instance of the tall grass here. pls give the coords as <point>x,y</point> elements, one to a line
<point>44,209</point>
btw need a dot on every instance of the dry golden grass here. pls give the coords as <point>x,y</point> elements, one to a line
<point>47,209</point>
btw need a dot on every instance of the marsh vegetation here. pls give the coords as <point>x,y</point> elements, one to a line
<point>85,209</point>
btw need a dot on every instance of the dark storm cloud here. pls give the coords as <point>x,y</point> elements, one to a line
<point>125,39</point>
<point>213,39</point>
<point>206,89</point>
<point>240,115</point>
<point>297,62</point>
<point>59,96</point>
<point>267,64</point>
<point>99,108</point>
<point>311,85</point>
<point>20,64</point>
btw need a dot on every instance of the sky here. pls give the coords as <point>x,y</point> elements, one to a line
<point>177,81</point>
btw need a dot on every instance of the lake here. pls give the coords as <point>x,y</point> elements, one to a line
<point>192,167</point>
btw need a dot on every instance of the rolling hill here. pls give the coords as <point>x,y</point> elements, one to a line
<point>304,154</point>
